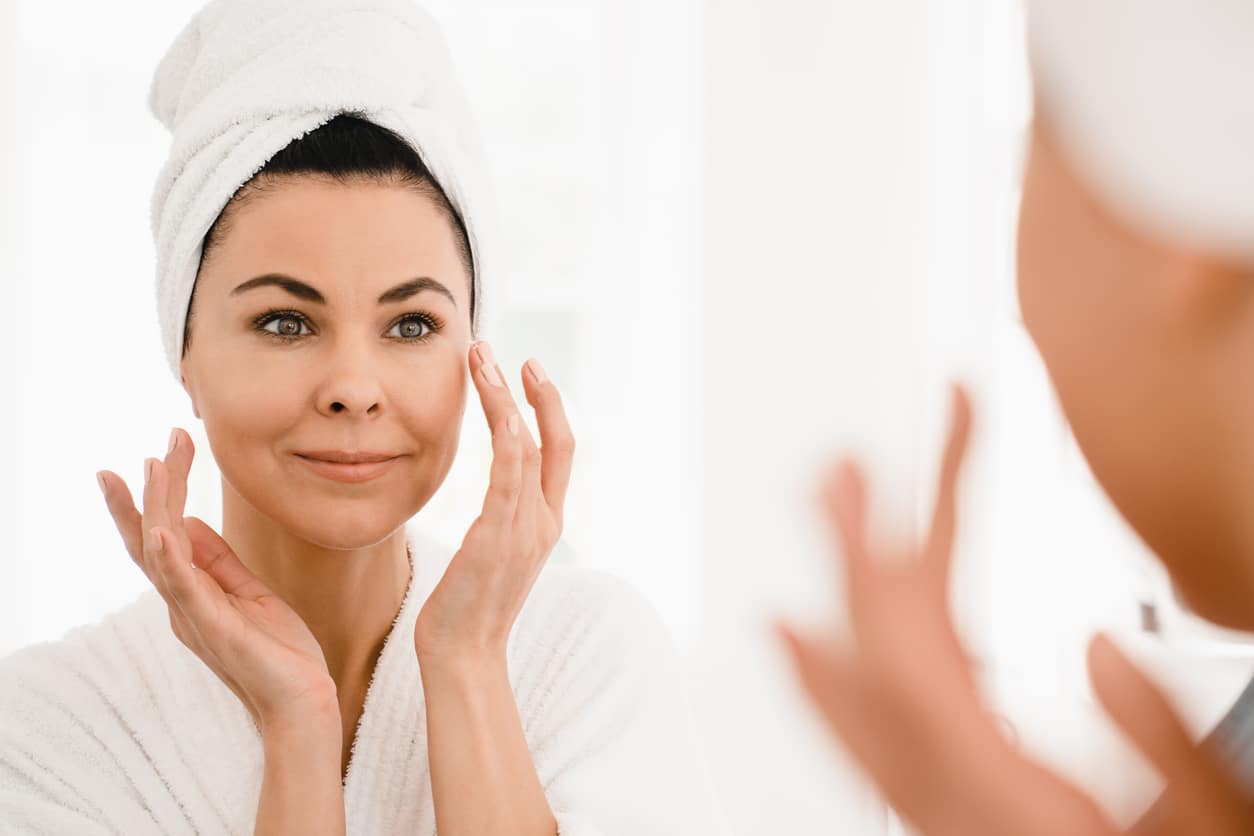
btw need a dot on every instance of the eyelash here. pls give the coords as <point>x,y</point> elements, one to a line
<point>434,325</point>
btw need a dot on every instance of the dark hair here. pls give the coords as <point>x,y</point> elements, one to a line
<point>346,149</point>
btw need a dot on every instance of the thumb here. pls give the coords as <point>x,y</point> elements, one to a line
<point>217,559</point>
<point>1200,796</point>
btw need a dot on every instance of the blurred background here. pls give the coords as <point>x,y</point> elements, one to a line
<point>742,237</point>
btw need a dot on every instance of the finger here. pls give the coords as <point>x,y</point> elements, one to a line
<point>196,595</point>
<point>505,480</point>
<point>939,547</point>
<point>843,496</point>
<point>556,439</point>
<point>494,394</point>
<point>1200,796</point>
<point>156,515</point>
<point>155,499</point>
<point>126,516</point>
<point>530,492</point>
<point>1138,707</point>
<point>178,462</point>
<point>217,559</point>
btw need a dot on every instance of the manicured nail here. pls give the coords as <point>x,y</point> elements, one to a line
<point>493,376</point>
<point>537,371</point>
<point>100,480</point>
<point>174,440</point>
<point>485,353</point>
<point>148,469</point>
<point>512,423</point>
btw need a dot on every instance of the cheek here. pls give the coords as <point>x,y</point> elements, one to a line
<point>434,400</point>
<point>243,403</point>
<point>1041,274</point>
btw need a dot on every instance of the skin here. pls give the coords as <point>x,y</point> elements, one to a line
<point>291,603</point>
<point>1147,343</point>
<point>334,552</point>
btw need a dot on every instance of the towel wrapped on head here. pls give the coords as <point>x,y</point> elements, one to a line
<point>245,78</point>
<point>1151,102</point>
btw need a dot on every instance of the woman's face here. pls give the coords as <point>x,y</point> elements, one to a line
<point>1139,342</point>
<point>368,353</point>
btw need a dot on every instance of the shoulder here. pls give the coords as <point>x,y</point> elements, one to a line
<point>94,671</point>
<point>63,703</point>
<point>87,652</point>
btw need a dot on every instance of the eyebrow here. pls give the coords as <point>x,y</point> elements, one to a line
<point>299,289</point>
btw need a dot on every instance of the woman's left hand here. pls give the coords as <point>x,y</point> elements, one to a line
<point>471,610</point>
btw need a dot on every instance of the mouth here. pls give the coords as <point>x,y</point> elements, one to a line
<point>349,471</point>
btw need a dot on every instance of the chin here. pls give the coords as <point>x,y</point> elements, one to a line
<point>344,524</point>
<point>1224,605</point>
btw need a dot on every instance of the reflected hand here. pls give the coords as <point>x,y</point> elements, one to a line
<point>248,636</point>
<point>906,704</point>
<point>474,605</point>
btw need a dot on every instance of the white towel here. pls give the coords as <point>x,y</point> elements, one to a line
<point>246,77</point>
<point>117,728</point>
<point>1152,102</point>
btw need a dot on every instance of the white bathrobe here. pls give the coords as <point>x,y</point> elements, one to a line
<point>119,728</point>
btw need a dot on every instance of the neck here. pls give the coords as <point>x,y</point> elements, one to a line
<point>348,597</point>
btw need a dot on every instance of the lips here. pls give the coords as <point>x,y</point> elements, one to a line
<point>364,470</point>
<point>346,456</point>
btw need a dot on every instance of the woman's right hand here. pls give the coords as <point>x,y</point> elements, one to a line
<point>225,614</point>
<point>904,699</point>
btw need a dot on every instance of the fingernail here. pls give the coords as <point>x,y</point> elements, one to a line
<point>493,376</point>
<point>485,353</point>
<point>512,423</point>
<point>148,469</point>
<point>100,480</point>
<point>174,440</point>
<point>537,371</point>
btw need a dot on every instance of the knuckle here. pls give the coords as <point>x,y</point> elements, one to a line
<point>532,456</point>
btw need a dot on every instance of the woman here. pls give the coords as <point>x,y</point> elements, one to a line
<point>1136,282</point>
<point>317,667</point>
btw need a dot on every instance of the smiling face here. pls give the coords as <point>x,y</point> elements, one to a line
<point>368,353</point>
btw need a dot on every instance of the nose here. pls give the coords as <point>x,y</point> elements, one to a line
<point>351,385</point>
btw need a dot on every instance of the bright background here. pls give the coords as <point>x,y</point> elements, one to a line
<point>741,236</point>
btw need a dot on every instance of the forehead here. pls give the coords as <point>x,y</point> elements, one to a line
<point>344,238</point>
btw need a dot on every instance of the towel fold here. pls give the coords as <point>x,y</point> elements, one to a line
<point>246,77</point>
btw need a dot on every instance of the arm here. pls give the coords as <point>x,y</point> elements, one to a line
<point>301,792</point>
<point>475,739</point>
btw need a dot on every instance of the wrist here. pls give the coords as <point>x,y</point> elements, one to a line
<point>462,664</point>
<point>316,713</point>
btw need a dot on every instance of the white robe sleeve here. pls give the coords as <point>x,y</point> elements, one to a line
<point>607,716</point>
<point>60,750</point>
